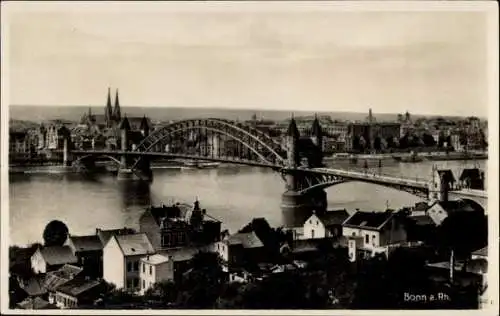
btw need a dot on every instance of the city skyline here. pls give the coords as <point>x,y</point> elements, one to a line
<point>263,59</point>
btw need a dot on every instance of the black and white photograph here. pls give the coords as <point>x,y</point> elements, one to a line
<point>192,156</point>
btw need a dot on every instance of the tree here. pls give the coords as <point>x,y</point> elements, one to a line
<point>428,140</point>
<point>55,233</point>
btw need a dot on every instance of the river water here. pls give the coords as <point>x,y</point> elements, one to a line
<point>234,195</point>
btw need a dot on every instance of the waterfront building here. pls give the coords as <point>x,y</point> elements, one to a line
<point>121,257</point>
<point>178,226</point>
<point>78,292</point>
<point>51,258</point>
<point>378,230</point>
<point>155,268</point>
<point>325,225</point>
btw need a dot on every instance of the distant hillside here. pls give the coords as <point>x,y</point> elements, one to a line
<point>74,113</point>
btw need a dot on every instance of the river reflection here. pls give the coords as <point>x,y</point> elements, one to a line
<point>234,195</point>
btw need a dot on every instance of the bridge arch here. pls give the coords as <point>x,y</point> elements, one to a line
<point>475,205</point>
<point>264,148</point>
<point>419,192</point>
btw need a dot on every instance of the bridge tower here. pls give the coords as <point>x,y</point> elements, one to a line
<point>439,186</point>
<point>124,171</point>
<point>296,206</point>
<point>144,166</point>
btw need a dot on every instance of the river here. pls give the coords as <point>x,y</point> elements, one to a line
<point>234,195</point>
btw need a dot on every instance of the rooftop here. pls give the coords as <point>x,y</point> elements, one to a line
<point>105,234</point>
<point>155,259</point>
<point>76,287</point>
<point>247,240</point>
<point>181,254</point>
<point>368,220</point>
<point>483,252</point>
<point>86,243</point>
<point>134,244</point>
<point>35,303</point>
<point>56,255</point>
<point>336,217</point>
<point>33,286</point>
<point>54,279</point>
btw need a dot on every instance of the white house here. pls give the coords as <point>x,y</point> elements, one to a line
<point>155,268</point>
<point>324,225</point>
<point>121,257</point>
<point>378,230</point>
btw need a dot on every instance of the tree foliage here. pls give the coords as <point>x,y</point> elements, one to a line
<point>55,233</point>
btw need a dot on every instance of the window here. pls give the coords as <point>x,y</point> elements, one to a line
<point>150,270</point>
<point>310,222</point>
<point>136,266</point>
<point>129,266</point>
<point>367,238</point>
<point>143,267</point>
<point>312,233</point>
<point>354,233</point>
<point>317,223</point>
<point>144,284</point>
<point>373,239</point>
<point>136,282</point>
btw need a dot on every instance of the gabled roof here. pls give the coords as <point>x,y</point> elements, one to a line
<point>105,234</point>
<point>54,279</point>
<point>247,240</point>
<point>334,217</point>
<point>86,243</point>
<point>78,286</point>
<point>134,244</point>
<point>181,254</point>
<point>368,220</point>
<point>56,255</point>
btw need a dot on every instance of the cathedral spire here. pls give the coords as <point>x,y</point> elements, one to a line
<point>108,111</point>
<point>117,115</point>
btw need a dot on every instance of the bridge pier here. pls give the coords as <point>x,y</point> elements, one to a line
<point>296,207</point>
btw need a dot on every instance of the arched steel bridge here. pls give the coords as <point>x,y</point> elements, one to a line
<point>253,147</point>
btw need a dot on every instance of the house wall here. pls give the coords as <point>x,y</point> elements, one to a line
<point>392,232</point>
<point>373,240</point>
<point>38,263</point>
<point>222,249</point>
<point>114,264</point>
<point>132,272</point>
<point>65,301</point>
<point>314,228</point>
<point>147,224</point>
<point>151,274</point>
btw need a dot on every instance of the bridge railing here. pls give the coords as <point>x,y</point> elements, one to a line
<point>376,176</point>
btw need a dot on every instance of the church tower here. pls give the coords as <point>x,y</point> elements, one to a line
<point>117,114</point>
<point>108,111</point>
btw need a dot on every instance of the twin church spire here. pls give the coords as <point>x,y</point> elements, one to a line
<point>112,115</point>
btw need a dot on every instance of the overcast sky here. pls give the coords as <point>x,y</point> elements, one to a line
<point>316,59</point>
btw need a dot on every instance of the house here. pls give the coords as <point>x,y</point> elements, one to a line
<point>35,303</point>
<point>241,247</point>
<point>88,250</point>
<point>155,268</point>
<point>181,258</point>
<point>179,226</point>
<point>378,230</point>
<point>440,210</point>
<point>51,258</point>
<point>34,286</point>
<point>325,225</point>
<point>77,292</point>
<point>54,279</point>
<point>121,257</point>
